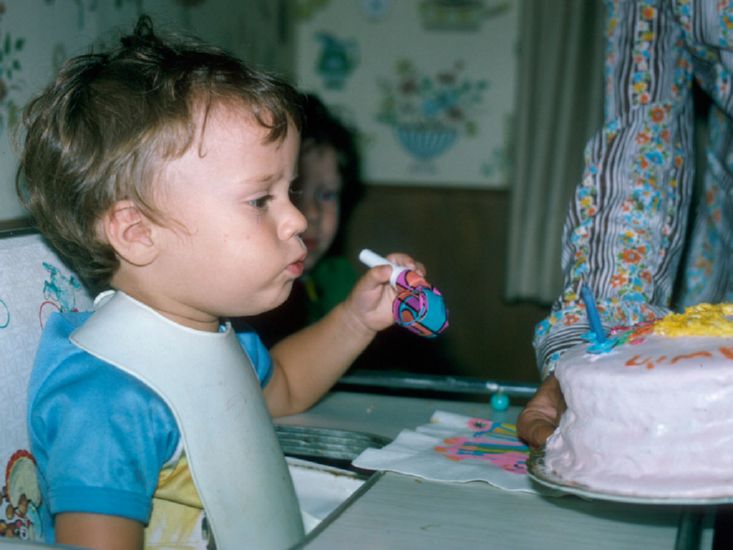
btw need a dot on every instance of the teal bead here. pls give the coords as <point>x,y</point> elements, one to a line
<point>499,402</point>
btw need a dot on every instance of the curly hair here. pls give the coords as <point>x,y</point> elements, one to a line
<point>100,132</point>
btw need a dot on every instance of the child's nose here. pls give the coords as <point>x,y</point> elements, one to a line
<point>294,222</point>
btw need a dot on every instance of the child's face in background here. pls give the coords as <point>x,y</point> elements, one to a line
<point>319,199</point>
<point>232,246</point>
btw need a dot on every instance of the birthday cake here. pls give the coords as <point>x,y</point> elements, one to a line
<point>650,409</point>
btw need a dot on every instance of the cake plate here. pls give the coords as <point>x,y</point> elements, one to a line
<point>540,473</point>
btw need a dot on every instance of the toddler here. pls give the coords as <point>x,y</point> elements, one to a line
<point>162,170</point>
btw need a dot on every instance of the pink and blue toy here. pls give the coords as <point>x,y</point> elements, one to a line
<point>418,306</point>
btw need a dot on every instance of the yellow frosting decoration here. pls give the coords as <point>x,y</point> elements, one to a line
<point>699,320</point>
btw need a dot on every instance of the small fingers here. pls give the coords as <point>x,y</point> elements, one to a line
<point>408,261</point>
<point>381,273</point>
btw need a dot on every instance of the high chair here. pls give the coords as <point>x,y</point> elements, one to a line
<point>34,282</point>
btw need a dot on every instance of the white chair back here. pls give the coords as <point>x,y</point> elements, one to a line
<point>33,283</point>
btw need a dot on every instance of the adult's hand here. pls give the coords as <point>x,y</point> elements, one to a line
<point>542,414</point>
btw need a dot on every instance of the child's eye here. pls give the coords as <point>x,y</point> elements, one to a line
<point>328,196</point>
<point>260,203</point>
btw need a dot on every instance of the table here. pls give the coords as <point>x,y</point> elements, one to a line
<point>398,511</point>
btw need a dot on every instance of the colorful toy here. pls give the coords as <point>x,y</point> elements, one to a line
<point>419,306</point>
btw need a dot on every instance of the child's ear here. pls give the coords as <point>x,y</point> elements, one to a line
<point>130,232</point>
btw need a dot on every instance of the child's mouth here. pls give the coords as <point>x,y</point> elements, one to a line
<point>296,268</point>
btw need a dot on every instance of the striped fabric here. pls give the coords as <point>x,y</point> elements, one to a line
<point>626,230</point>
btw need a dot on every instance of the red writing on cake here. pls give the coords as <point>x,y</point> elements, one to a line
<point>651,362</point>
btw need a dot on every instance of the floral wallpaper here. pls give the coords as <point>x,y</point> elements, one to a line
<point>36,36</point>
<point>430,111</point>
<point>11,71</point>
<point>428,84</point>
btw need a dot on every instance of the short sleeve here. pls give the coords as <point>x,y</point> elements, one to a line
<point>257,353</point>
<point>92,462</point>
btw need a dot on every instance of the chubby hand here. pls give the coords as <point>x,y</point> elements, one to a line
<point>541,415</point>
<point>370,301</point>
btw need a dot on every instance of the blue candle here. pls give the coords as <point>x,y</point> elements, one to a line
<point>593,318</point>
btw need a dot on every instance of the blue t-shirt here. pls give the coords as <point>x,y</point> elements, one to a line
<point>100,436</point>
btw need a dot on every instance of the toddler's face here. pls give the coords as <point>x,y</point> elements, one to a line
<point>319,199</point>
<point>233,246</point>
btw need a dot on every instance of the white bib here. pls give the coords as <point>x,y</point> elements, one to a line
<point>208,382</point>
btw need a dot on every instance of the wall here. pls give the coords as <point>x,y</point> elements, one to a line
<point>430,84</point>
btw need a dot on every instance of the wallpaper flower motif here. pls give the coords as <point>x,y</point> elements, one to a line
<point>430,112</point>
<point>10,69</point>
<point>445,100</point>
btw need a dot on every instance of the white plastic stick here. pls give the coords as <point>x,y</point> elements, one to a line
<point>372,259</point>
